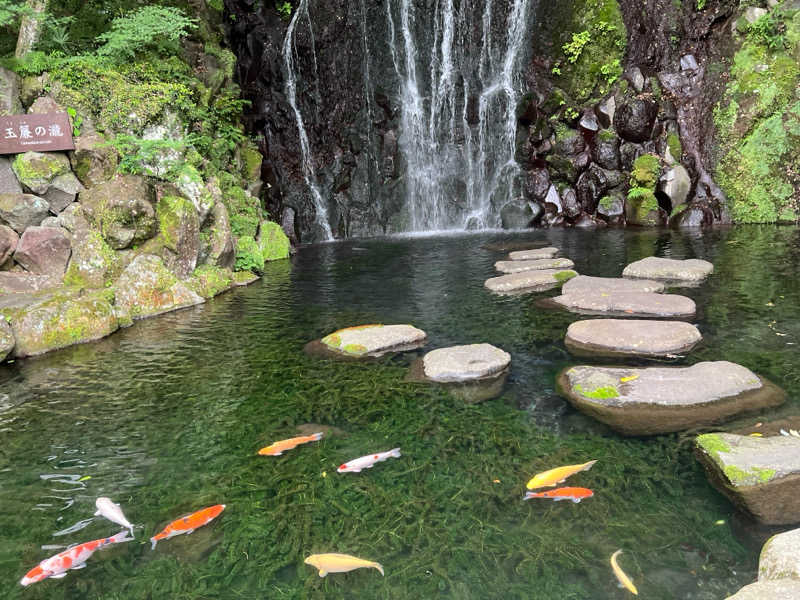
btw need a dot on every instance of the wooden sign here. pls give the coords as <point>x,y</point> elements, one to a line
<point>41,133</point>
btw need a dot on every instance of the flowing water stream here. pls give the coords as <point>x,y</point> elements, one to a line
<point>166,417</point>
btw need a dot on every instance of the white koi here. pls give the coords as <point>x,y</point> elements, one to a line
<point>366,462</point>
<point>111,511</point>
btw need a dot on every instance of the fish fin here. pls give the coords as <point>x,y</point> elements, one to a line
<point>79,566</point>
<point>395,452</point>
<point>576,500</point>
<point>587,466</point>
<point>153,542</point>
<point>122,536</point>
<point>322,573</point>
<point>189,531</point>
<point>317,436</point>
<point>59,576</point>
<point>378,566</point>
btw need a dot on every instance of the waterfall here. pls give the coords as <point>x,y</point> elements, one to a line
<point>321,209</point>
<point>458,94</point>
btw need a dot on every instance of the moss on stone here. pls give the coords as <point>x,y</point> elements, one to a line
<point>674,145</point>
<point>606,203</point>
<point>712,444</point>
<point>754,476</point>
<point>251,162</point>
<point>273,242</point>
<point>172,212</point>
<point>563,276</point>
<point>355,349</point>
<point>37,168</point>
<point>599,393</point>
<point>248,255</point>
<point>606,135</point>
<point>209,280</point>
<point>646,170</point>
<point>244,276</point>
<point>333,340</point>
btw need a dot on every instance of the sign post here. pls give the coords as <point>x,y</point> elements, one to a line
<point>36,132</point>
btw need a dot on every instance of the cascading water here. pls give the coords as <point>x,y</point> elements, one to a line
<point>458,124</point>
<point>321,218</point>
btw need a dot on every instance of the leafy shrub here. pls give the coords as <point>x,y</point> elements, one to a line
<point>156,158</point>
<point>248,255</point>
<point>770,30</point>
<point>157,28</point>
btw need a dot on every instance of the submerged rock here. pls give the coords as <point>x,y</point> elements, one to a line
<point>464,363</point>
<point>627,304</point>
<point>606,285</point>
<point>780,589</point>
<point>639,338</point>
<point>533,254</point>
<point>654,400</point>
<point>373,340</point>
<point>529,281</point>
<point>515,266</point>
<point>780,557</point>
<point>760,475</point>
<point>6,339</point>
<point>670,269</point>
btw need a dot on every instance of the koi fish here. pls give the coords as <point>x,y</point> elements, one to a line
<point>75,557</point>
<point>278,448</point>
<point>188,523</point>
<point>339,563</point>
<point>106,508</point>
<point>576,494</point>
<point>366,462</point>
<point>624,580</point>
<point>553,476</point>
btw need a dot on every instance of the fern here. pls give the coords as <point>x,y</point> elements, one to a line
<point>639,193</point>
<point>157,28</point>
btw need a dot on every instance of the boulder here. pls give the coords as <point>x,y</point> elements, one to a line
<point>571,207</point>
<point>760,475</point>
<point>781,589</point>
<point>605,111</point>
<point>605,152</point>
<point>636,79</point>
<point>612,207</point>
<point>191,185</point>
<point>272,241</point>
<point>529,281</point>
<point>631,338</point>
<point>8,243</point>
<point>93,261</point>
<point>24,283</point>
<point>676,184</point>
<point>627,304</point>
<point>244,278</point>
<point>209,281</point>
<point>691,216</point>
<point>635,118</point>
<point>373,340</point>
<point>7,340</point>
<point>535,184</point>
<point>44,105</point>
<point>516,215</point>
<point>62,321</point>
<point>586,221</point>
<point>37,170</point>
<point>9,184</point>
<point>656,400</point>
<point>179,226</point>
<point>62,192</point>
<point>601,285</point>
<point>9,93</point>
<point>122,210</point>
<point>20,211</point>
<point>146,288</point>
<point>669,269</point>
<point>93,161</point>
<point>465,363</point>
<point>589,121</point>
<point>533,254</point>
<point>44,251</point>
<point>515,266</point>
<point>216,240</point>
<point>780,557</point>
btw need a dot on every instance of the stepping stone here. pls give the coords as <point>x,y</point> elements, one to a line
<point>626,338</point>
<point>465,363</point>
<point>780,557</point>
<point>533,254</point>
<point>529,281</point>
<point>654,400</point>
<point>516,266</point>
<point>626,304</point>
<point>692,270</point>
<point>780,589</point>
<point>370,340</point>
<point>585,283</point>
<point>760,475</point>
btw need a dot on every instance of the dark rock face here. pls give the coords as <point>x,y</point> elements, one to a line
<point>634,119</point>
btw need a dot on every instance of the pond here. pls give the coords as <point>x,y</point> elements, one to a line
<point>166,418</point>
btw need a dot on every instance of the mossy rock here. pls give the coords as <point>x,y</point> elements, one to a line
<point>7,340</point>
<point>191,185</point>
<point>272,242</point>
<point>209,281</point>
<point>122,209</point>
<point>93,263</point>
<point>251,162</point>
<point>36,170</point>
<point>179,231</point>
<point>248,255</point>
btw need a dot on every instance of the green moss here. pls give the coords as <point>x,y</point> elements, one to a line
<point>741,477</point>
<point>102,260</point>
<point>209,281</point>
<point>244,210</point>
<point>273,242</point>
<point>251,162</point>
<point>564,276</point>
<point>37,167</point>
<point>606,135</point>
<point>248,255</point>
<point>172,212</point>
<point>356,349</point>
<point>646,170</point>
<point>243,277</point>
<point>333,340</point>
<point>599,393</point>
<point>606,203</point>
<point>712,443</point>
<point>675,147</point>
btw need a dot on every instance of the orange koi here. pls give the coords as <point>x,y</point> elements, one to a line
<point>576,494</point>
<point>188,523</point>
<point>278,448</point>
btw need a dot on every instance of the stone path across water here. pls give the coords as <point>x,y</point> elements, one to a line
<point>534,254</point>
<point>370,340</point>
<point>692,270</point>
<point>627,304</point>
<point>586,283</point>
<point>515,266</point>
<point>631,338</point>
<point>529,281</point>
<point>465,363</point>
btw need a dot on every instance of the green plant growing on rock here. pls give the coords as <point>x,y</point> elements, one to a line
<point>574,48</point>
<point>284,9</point>
<point>150,28</point>
<point>769,30</point>
<point>156,158</point>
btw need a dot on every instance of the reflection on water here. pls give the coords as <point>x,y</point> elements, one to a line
<point>165,417</point>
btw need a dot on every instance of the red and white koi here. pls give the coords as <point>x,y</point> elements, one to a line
<point>367,462</point>
<point>75,557</point>
<point>188,523</point>
<point>576,494</point>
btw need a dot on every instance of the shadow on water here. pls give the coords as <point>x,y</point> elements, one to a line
<point>166,416</point>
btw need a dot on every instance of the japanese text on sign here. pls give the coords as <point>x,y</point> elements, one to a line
<point>40,132</point>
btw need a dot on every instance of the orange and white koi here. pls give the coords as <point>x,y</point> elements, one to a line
<point>188,523</point>
<point>75,557</point>
<point>278,448</point>
<point>367,462</point>
<point>339,563</point>
<point>576,494</point>
<point>554,476</point>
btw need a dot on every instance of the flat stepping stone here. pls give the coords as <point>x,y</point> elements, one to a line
<point>780,557</point>
<point>780,589</point>
<point>586,283</point>
<point>370,340</point>
<point>692,270</point>
<point>655,400</point>
<point>631,338</point>
<point>627,304</point>
<point>534,254</point>
<point>760,475</point>
<point>465,363</point>
<point>529,281</point>
<point>516,266</point>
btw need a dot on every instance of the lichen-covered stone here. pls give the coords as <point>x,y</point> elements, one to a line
<point>20,211</point>
<point>209,281</point>
<point>93,160</point>
<point>623,338</point>
<point>627,304</point>
<point>216,239</point>
<point>605,285</point>
<point>272,241</point>
<point>780,589</point>
<point>516,266</point>
<point>191,184</point>
<point>7,340</point>
<point>146,288</point>
<point>655,400</point>
<point>44,251</point>
<point>8,243</point>
<point>669,269</point>
<point>9,93</point>
<point>36,170</point>
<point>374,340</point>
<point>780,557</point>
<point>529,281</point>
<point>9,184</point>
<point>533,254</point>
<point>465,363</point>
<point>25,283</point>
<point>122,209</point>
<point>93,262</point>
<point>62,321</point>
<point>244,278</point>
<point>179,227</point>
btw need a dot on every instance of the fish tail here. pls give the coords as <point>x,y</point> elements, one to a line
<point>153,542</point>
<point>378,566</point>
<point>122,536</point>
<point>395,452</point>
<point>317,436</point>
<point>588,465</point>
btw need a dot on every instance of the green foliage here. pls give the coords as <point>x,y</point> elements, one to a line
<point>639,193</point>
<point>77,121</point>
<point>612,71</point>
<point>701,4</point>
<point>646,170</point>
<point>570,113</point>
<point>156,158</point>
<point>156,28</point>
<point>248,255</point>
<point>284,9</point>
<point>769,30</point>
<point>11,11</point>
<point>674,145</point>
<point>574,48</point>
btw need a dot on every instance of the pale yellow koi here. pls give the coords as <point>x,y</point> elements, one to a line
<point>339,563</point>
<point>624,580</point>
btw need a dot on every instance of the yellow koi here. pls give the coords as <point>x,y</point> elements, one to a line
<point>624,580</point>
<point>339,563</point>
<point>554,476</point>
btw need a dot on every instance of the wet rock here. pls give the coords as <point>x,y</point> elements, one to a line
<point>635,118</point>
<point>146,288</point>
<point>586,221</point>
<point>122,209</point>
<point>781,589</point>
<point>179,228</point>
<point>62,192</point>
<point>636,79</point>
<point>605,111</point>
<point>9,184</point>
<point>20,211</point>
<point>585,284</point>
<point>7,340</point>
<point>288,225</point>
<point>628,153</point>
<point>9,93</point>
<point>218,249</point>
<point>244,278</point>
<point>553,198</point>
<point>689,63</point>
<point>533,254</point>
<point>515,215</point>
<point>760,475</point>
<point>516,266</point>
<point>209,281</point>
<point>536,184</point>
<point>374,340</point>
<point>780,557</point>
<point>569,142</point>
<point>676,184</point>
<point>8,242</point>
<point>605,152</point>
<point>669,269</point>
<point>569,202</point>
<point>589,121</point>
<point>191,185</point>
<point>464,363</point>
<point>93,160</point>
<point>529,281</point>
<point>36,170</point>
<point>631,338</point>
<point>691,216</point>
<point>643,211</point>
<point>656,400</point>
<point>611,206</point>
<point>628,304</point>
<point>44,251</point>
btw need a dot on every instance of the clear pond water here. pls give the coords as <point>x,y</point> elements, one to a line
<point>166,418</point>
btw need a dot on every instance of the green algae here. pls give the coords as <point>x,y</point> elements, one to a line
<point>754,476</point>
<point>713,444</point>
<point>564,276</point>
<point>600,393</point>
<point>356,349</point>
